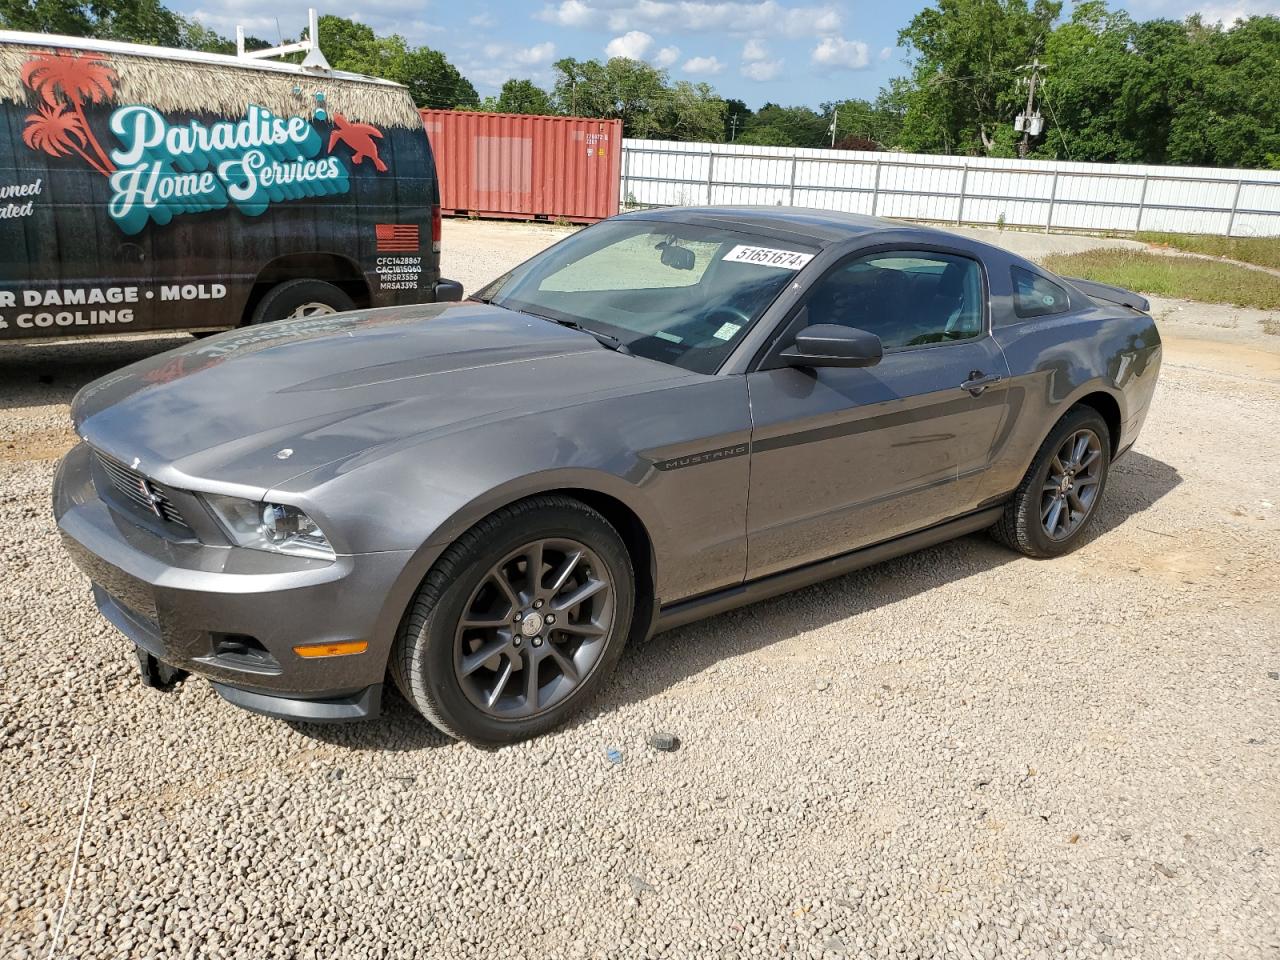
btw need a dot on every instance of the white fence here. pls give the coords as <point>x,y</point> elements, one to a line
<point>1028,193</point>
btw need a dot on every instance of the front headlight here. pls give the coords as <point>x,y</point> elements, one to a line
<point>276,527</point>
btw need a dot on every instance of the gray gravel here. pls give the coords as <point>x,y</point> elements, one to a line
<point>962,753</point>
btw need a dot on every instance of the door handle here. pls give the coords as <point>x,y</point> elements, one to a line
<point>978,382</point>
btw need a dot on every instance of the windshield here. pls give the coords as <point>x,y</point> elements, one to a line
<point>675,292</point>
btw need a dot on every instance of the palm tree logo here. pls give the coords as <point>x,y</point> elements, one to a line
<point>66,81</point>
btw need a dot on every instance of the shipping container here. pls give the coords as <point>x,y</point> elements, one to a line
<point>526,167</point>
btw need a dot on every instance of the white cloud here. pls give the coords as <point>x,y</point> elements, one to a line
<point>885,53</point>
<point>762,70</point>
<point>665,57</point>
<point>536,55</point>
<point>632,45</point>
<point>702,65</point>
<point>569,13</point>
<point>837,53</point>
<point>737,17</point>
<point>1228,13</point>
<point>754,50</point>
<point>483,20</point>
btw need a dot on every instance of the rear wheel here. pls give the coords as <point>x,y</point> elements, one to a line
<point>301,298</point>
<point>1060,493</point>
<point>518,623</point>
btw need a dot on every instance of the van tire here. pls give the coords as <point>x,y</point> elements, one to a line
<point>300,298</point>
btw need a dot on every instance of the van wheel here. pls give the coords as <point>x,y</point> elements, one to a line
<point>301,298</point>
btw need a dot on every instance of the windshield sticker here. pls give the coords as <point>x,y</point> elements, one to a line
<point>727,331</point>
<point>663,335</point>
<point>768,257</point>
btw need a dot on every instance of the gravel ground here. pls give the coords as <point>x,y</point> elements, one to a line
<point>962,753</point>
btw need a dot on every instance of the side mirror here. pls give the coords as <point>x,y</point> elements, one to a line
<point>446,291</point>
<point>679,257</point>
<point>831,345</point>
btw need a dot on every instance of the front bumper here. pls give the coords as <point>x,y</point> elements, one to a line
<point>231,614</point>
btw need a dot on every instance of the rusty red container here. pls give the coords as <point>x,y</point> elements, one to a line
<point>525,167</point>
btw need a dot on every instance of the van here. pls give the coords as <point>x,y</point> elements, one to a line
<point>147,189</point>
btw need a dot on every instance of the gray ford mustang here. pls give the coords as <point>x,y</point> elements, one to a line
<point>663,416</point>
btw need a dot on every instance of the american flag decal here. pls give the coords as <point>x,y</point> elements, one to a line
<point>397,237</point>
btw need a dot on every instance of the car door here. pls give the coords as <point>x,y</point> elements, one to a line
<point>847,457</point>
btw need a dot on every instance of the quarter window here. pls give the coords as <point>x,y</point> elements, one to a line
<point>1035,296</point>
<point>907,298</point>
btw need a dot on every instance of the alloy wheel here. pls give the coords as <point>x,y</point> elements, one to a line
<point>1071,487</point>
<point>534,629</point>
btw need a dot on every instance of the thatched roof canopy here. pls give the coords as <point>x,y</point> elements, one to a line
<point>174,85</point>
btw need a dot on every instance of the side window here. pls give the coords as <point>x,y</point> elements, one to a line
<point>907,298</point>
<point>1034,296</point>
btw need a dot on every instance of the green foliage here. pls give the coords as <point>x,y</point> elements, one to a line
<point>1264,251</point>
<point>1114,90</point>
<point>132,21</point>
<point>965,72</point>
<point>640,96</point>
<point>622,89</point>
<point>432,80</point>
<point>691,111</point>
<point>524,96</point>
<point>1186,278</point>
<point>870,124</point>
<point>777,126</point>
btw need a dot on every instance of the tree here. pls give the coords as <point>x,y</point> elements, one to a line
<point>623,89</point>
<point>967,56</point>
<point>1162,91</point>
<point>736,114</point>
<point>133,21</point>
<point>777,126</point>
<point>1090,62</point>
<point>875,125</point>
<point>690,111</point>
<point>432,80</point>
<point>524,96</point>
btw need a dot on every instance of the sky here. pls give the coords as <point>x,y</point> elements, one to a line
<point>785,51</point>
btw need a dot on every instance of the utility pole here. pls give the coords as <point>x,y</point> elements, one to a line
<point>835,118</point>
<point>1030,122</point>
<point>733,128</point>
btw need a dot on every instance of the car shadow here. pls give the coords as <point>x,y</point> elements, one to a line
<point>1135,484</point>
<point>647,669</point>
<point>37,374</point>
<point>398,729</point>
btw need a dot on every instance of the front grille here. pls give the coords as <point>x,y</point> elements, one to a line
<point>140,492</point>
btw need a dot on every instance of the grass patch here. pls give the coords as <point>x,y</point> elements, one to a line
<point>1264,251</point>
<point>1164,276</point>
<point>1271,327</point>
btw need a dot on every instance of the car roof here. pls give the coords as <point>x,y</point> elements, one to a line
<point>823,226</point>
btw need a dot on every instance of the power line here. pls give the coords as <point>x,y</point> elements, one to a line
<point>1062,134</point>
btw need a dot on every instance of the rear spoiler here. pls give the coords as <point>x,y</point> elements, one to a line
<point>1118,295</point>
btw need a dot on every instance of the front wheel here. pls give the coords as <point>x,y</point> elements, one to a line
<point>1059,495</point>
<point>518,623</point>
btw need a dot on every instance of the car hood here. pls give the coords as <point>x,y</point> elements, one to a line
<point>253,408</point>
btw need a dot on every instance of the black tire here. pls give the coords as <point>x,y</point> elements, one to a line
<point>1024,524</point>
<point>433,646</point>
<point>293,297</point>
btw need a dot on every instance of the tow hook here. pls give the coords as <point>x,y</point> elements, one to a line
<point>156,673</point>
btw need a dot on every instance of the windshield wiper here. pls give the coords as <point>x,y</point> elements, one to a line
<point>605,340</point>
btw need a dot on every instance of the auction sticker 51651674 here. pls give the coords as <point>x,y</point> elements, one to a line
<point>768,257</point>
